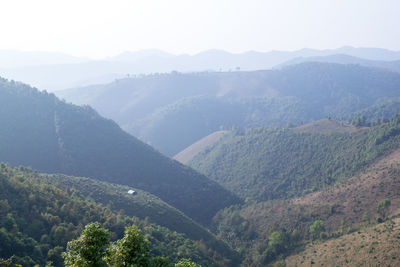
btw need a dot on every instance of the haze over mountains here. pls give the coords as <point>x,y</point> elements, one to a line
<point>346,59</point>
<point>280,162</point>
<point>53,71</point>
<point>172,111</point>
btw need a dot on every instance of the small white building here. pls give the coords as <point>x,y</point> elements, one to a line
<point>132,192</point>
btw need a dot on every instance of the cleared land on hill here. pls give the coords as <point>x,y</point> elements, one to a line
<point>190,152</point>
<point>376,245</point>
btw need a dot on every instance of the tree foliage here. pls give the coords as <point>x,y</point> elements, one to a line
<point>131,250</point>
<point>89,249</point>
<point>93,248</point>
<point>383,207</point>
<point>37,219</point>
<point>317,228</point>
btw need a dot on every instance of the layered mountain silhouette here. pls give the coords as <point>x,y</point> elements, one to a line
<point>54,71</point>
<point>40,131</point>
<point>172,111</point>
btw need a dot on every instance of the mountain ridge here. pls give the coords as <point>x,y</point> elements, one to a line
<point>41,131</point>
<point>62,76</point>
<point>158,108</point>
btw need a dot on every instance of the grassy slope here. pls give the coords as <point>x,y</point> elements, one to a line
<point>190,152</point>
<point>377,245</point>
<point>326,126</point>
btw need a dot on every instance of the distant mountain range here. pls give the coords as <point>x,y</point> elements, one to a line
<point>346,59</point>
<point>19,59</point>
<point>53,71</point>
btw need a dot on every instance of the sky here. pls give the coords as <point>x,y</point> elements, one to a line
<point>100,28</point>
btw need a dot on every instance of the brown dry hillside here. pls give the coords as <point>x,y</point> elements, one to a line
<point>361,193</point>
<point>341,206</point>
<point>326,126</point>
<point>377,245</point>
<point>190,152</point>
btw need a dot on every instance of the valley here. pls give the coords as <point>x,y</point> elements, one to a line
<point>293,166</point>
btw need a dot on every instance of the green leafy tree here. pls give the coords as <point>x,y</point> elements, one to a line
<point>186,263</point>
<point>131,250</point>
<point>317,228</point>
<point>383,208</point>
<point>93,249</point>
<point>278,241</point>
<point>6,262</point>
<point>89,249</point>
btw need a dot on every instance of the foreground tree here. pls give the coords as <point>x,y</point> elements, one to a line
<point>89,249</point>
<point>93,249</point>
<point>131,250</point>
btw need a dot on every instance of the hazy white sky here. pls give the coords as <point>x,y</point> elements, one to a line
<point>100,28</point>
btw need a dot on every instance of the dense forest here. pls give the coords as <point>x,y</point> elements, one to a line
<point>38,219</point>
<point>40,131</point>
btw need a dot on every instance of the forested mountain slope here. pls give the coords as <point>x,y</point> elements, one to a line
<point>141,204</point>
<point>172,111</point>
<point>274,163</point>
<point>38,219</point>
<point>342,208</point>
<point>41,131</point>
<point>383,110</point>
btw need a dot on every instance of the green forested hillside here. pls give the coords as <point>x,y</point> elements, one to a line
<point>384,110</point>
<point>274,163</point>
<point>172,111</point>
<point>353,171</point>
<point>141,204</point>
<point>339,209</point>
<point>41,131</point>
<point>38,219</point>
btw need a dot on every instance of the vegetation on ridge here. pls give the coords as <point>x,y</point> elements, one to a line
<point>276,163</point>
<point>172,111</point>
<point>38,219</point>
<point>40,131</point>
